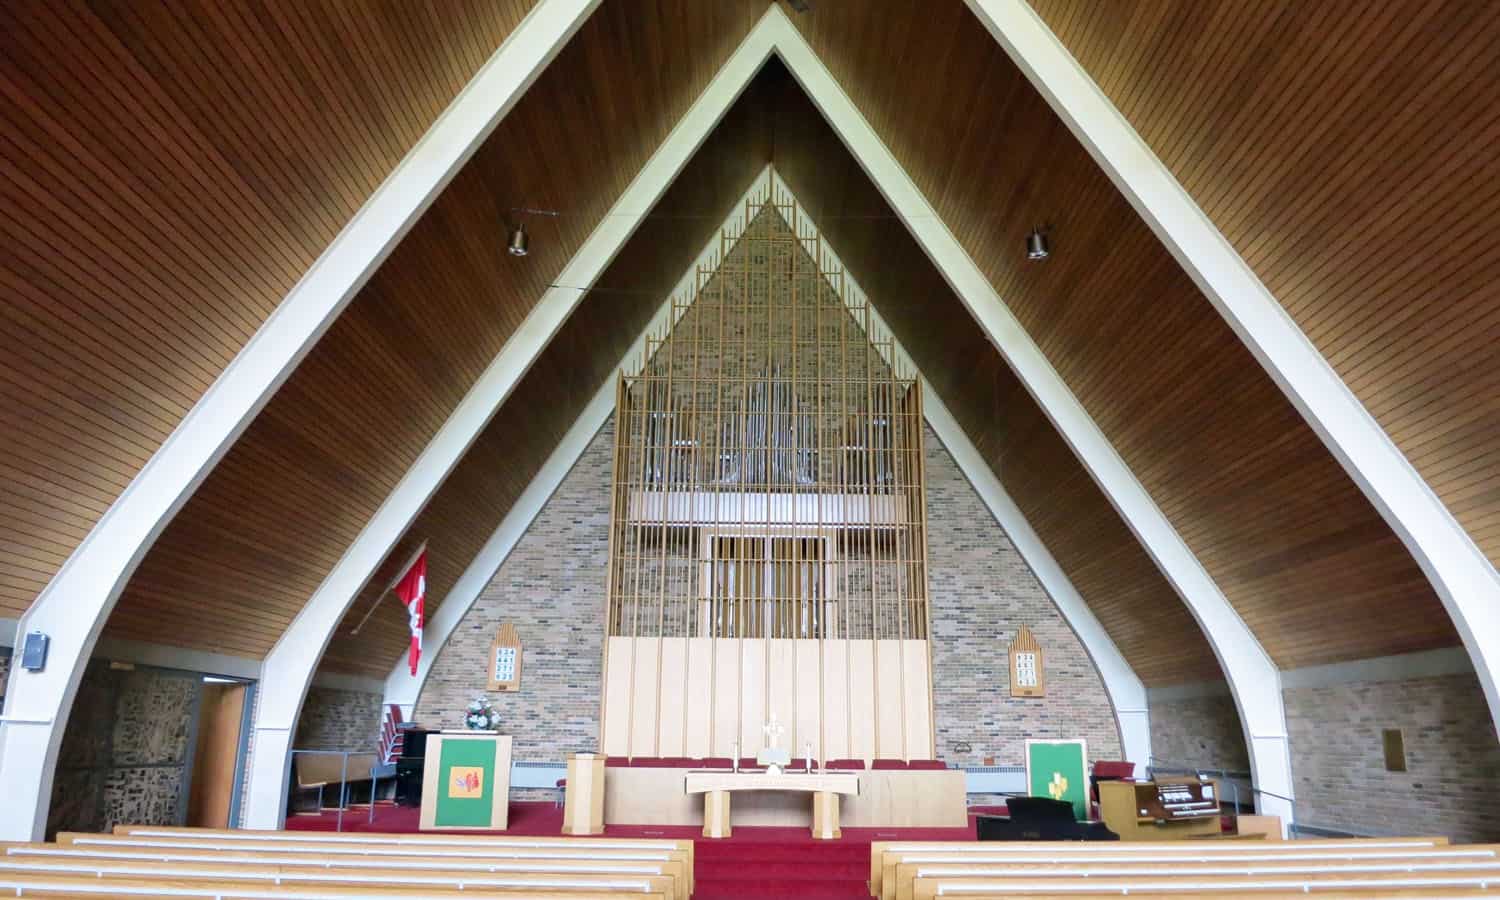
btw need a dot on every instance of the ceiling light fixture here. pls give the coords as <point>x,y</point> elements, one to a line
<point>1036,244</point>
<point>517,245</point>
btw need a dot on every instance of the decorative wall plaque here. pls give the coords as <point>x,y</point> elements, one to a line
<point>505,660</point>
<point>1028,675</point>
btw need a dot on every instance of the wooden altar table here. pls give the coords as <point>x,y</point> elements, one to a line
<point>825,788</point>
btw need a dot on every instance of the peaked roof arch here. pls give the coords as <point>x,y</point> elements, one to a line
<point>1324,553</point>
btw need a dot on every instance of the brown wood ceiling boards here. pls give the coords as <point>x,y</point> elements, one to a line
<point>258,537</point>
<point>171,171</point>
<point>1122,586</point>
<point>1347,151</point>
<point>1276,522</point>
<point>463,514</point>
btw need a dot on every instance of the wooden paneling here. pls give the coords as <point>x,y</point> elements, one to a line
<point>1284,532</point>
<point>583,355</point>
<point>237,563</point>
<point>170,172</point>
<point>1347,152</point>
<point>1140,611</point>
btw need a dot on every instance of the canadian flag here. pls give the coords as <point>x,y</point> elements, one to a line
<point>412,589</point>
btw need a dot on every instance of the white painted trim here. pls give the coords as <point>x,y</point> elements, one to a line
<point>289,666</point>
<point>1401,667</point>
<point>1244,661</point>
<point>401,687</point>
<point>75,604</point>
<point>1460,573</point>
<point>1127,694</point>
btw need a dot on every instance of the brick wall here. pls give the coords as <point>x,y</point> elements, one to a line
<point>1452,755</point>
<point>1198,732</point>
<point>552,583</point>
<point>335,719</point>
<point>124,753</point>
<point>982,591</point>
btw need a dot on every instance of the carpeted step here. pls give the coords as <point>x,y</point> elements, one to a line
<point>763,888</point>
<point>784,869</point>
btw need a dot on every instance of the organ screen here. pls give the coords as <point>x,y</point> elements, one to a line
<point>768,486</point>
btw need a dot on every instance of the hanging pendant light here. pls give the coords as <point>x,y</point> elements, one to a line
<point>517,245</point>
<point>1036,244</point>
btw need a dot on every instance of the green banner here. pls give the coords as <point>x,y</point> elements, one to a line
<point>466,790</point>
<point>1057,769</point>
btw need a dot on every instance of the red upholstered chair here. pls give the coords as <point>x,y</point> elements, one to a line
<point>717,762</point>
<point>664,762</point>
<point>888,764</point>
<point>833,764</point>
<point>926,764</point>
<point>616,762</point>
<point>1108,770</point>
<point>748,762</point>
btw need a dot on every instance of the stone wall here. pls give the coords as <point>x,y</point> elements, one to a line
<point>552,583</point>
<point>1198,732</point>
<point>334,719</point>
<point>982,591</point>
<point>1452,757</point>
<point>125,754</point>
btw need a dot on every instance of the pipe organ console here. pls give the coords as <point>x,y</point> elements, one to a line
<point>1160,810</point>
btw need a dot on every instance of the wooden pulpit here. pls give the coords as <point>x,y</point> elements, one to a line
<point>466,781</point>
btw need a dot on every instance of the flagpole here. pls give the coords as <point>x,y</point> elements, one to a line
<point>400,574</point>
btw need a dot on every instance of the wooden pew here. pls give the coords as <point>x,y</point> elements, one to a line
<point>453,870</point>
<point>1260,887</point>
<point>487,847</point>
<point>79,888</point>
<point>633,877</point>
<point>908,874</point>
<point>880,850</point>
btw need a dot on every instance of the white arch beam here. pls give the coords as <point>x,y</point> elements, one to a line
<point>1460,573</point>
<point>1247,667</point>
<point>1126,692</point>
<point>401,687</point>
<point>72,609</point>
<point>289,666</point>
<point>1251,673</point>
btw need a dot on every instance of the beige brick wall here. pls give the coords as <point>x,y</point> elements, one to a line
<point>1452,755</point>
<point>982,591</point>
<point>334,719</point>
<point>1198,732</point>
<point>552,583</point>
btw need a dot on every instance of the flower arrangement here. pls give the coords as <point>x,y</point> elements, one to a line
<point>480,716</point>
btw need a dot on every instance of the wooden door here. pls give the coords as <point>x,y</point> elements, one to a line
<point>219,721</point>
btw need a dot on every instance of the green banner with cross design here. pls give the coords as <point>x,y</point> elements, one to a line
<point>1059,770</point>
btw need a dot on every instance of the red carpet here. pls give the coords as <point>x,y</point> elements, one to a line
<point>757,862</point>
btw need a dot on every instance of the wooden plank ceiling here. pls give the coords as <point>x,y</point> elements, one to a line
<point>1347,151</point>
<point>584,354</point>
<point>254,542</point>
<point>1100,555</point>
<point>1284,532</point>
<point>171,171</point>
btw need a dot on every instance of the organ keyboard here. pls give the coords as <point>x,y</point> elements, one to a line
<point>1160,810</point>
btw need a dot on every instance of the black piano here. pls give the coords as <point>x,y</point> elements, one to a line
<point>409,765</point>
<point>1040,819</point>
